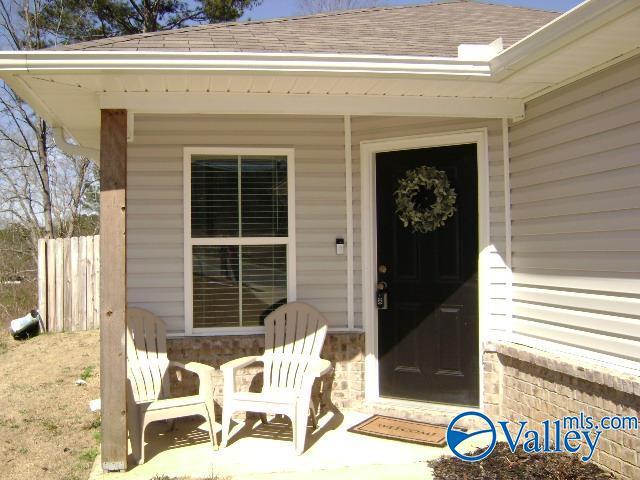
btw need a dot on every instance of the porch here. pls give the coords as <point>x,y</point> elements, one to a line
<point>332,453</point>
<point>327,162</point>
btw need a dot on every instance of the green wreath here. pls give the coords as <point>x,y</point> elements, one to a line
<point>424,220</point>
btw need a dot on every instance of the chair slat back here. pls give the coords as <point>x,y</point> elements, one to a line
<point>294,336</point>
<point>147,360</point>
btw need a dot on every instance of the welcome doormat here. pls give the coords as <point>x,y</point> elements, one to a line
<point>403,430</point>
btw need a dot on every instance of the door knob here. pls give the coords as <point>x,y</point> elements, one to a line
<point>382,269</point>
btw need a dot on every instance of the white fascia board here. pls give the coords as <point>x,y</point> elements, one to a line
<point>568,27</point>
<point>49,61</point>
<point>309,104</point>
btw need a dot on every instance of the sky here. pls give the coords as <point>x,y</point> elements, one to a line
<point>288,8</point>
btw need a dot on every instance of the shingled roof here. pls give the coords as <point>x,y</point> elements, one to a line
<point>433,29</point>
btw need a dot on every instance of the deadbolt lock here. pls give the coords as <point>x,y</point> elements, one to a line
<point>382,296</point>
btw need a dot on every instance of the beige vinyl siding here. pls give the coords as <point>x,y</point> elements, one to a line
<point>155,204</point>
<point>575,193</point>
<point>375,128</point>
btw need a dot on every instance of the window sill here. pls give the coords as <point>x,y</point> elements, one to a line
<point>223,331</point>
<point>240,331</point>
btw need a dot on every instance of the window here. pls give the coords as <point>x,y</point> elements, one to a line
<point>239,247</point>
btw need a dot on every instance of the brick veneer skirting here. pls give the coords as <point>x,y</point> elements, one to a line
<point>344,387</point>
<point>520,383</point>
<point>523,383</point>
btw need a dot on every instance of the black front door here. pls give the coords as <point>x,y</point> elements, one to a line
<point>428,332</point>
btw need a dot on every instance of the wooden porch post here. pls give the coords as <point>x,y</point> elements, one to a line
<point>113,288</point>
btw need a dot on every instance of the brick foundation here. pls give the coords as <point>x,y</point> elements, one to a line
<point>520,383</point>
<point>523,383</point>
<point>344,387</point>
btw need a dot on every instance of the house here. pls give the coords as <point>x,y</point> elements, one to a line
<point>454,185</point>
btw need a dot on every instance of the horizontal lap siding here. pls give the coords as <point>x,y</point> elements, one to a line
<point>155,204</point>
<point>575,179</point>
<point>375,128</point>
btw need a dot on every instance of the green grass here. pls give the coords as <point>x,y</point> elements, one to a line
<point>95,423</point>
<point>9,422</point>
<point>89,455</point>
<point>87,373</point>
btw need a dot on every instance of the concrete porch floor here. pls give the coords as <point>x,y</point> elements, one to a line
<point>258,451</point>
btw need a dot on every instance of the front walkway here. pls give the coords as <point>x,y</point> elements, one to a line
<point>266,452</point>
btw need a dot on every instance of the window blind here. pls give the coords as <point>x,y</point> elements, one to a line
<point>264,197</point>
<point>245,199</point>
<point>237,285</point>
<point>214,197</point>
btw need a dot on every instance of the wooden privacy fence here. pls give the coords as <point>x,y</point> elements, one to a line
<point>69,283</point>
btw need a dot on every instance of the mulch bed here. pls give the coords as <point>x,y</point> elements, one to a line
<point>502,464</point>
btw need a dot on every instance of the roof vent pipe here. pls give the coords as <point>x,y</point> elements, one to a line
<point>74,149</point>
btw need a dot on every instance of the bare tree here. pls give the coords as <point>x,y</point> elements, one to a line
<point>41,188</point>
<point>308,7</point>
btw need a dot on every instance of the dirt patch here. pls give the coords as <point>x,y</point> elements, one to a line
<point>46,428</point>
<point>503,464</point>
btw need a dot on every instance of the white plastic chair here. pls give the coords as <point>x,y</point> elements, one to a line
<point>147,366</point>
<point>294,336</point>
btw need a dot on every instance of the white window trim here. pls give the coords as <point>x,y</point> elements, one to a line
<point>289,241</point>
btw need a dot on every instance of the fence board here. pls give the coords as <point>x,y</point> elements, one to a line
<point>96,279</point>
<point>51,284</point>
<point>90,282</point>
<point>68,289</point>
<point>81,318</point>
<point>59,285</point>
<point>74,284</point>
<point>68,283</point>
<point>42,281</point>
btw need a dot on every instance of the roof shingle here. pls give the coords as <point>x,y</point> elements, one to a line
<point>433,29</point>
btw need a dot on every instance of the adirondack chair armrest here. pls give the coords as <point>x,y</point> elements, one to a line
<point>238,363</point>
<point>204,373</point>
<point>229,371</point>
<point>321,367</point>
<point>199,368</point>
<point>194,367</point>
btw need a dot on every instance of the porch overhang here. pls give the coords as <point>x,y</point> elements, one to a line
<point>68,88</point>
<point>311,104</point>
